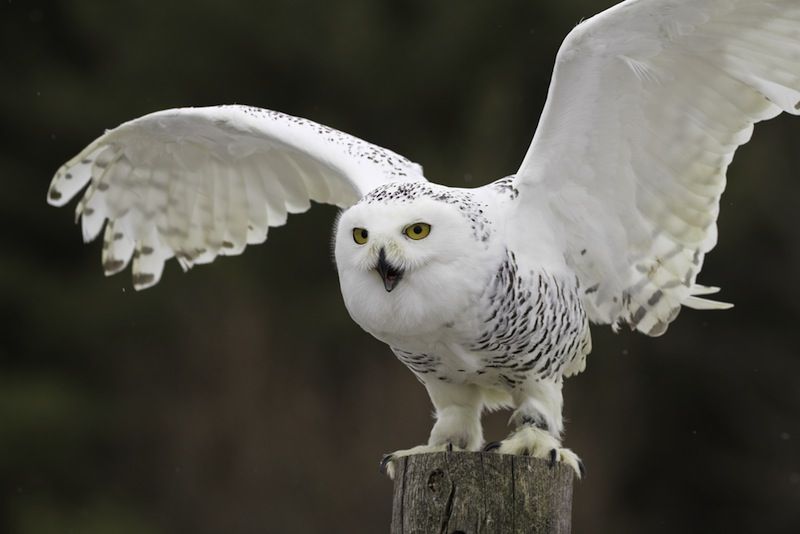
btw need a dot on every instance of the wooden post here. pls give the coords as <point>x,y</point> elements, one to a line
<point>481,493</point>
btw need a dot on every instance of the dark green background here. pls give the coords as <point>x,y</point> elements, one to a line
<point>240,397</point>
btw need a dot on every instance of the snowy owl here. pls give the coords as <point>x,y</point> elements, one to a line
<point>485,294</point>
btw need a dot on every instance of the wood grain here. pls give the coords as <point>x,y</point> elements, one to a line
<point>477,493</point>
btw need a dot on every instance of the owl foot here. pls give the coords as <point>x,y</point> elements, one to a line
<point>532,441</point>
<point>387,465</point>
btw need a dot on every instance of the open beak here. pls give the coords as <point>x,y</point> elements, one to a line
<point>390,276</point>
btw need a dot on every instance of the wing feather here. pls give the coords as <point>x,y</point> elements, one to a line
<point>648,103</point>
<point>117,247</point>
<point>195,183</point>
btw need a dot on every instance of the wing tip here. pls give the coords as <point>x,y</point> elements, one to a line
<point>55,197</point>
<point>143,281</point>
<point>113,266</point>
<point>697,303</point>
<point>698,289</point>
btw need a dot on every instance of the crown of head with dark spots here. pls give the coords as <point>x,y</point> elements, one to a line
<point>405,192</point>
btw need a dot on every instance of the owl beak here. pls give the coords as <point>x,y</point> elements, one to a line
<point>390,276</point>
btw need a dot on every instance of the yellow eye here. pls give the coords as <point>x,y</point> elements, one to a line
<point>418,230</point>
<point>360,235</point>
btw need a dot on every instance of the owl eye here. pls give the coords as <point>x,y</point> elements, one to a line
<point>360,235</point>
<point>418,230</point>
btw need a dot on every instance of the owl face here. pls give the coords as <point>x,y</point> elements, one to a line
<point>406,265</point>
<point>388,240</point>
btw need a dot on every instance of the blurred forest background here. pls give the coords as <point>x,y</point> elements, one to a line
<point>240,397</point>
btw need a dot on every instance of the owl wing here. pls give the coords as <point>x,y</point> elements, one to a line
<point>648,103</point>
<point>196,183</point>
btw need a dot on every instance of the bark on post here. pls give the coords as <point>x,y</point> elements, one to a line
<point>480,493</point>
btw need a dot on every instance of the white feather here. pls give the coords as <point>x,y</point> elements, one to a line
<point>648,102</point>
<point>706,304</point>
<point>199,182</point>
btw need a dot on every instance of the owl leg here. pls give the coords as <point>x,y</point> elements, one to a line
<point>458,423</point>
<point>537,425</point>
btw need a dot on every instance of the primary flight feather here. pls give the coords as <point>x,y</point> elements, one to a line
<point>486,294</point>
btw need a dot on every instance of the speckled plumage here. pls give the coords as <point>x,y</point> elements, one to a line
<point>471,208</point>
<point>485,294</point>
<point>532,325</point>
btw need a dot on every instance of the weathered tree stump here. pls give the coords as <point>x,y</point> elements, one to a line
<point>480,493</point>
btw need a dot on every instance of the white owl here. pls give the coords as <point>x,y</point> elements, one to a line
<point>486,294</point>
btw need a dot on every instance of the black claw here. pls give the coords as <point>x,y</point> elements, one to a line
<point>581,468</point>
<point>449,447</point>
<point>385,463</point>
<point>492,445</point>
<point>553,458</point>
<point>526,452</point>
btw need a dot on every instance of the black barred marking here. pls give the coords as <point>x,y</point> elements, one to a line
<point>534,325</point>
<point>506,186</point>
<point>419,363</point>
<point>658,329</point>
<point>464,201</point>
<point>655,298</point>
<point>112,266</point>
<point>638,316</point>
<point>140,279</point>
<point>146,251</point>
<point>394,164</point>
<point>55,194</point>
<point>536,420</point>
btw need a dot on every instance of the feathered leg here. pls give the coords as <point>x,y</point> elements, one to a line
<point>458,422</point>
<point>538,425</point>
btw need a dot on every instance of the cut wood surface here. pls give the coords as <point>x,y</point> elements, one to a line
<point>477,492</point>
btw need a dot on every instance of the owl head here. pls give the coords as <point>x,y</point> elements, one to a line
<point>409,256</point>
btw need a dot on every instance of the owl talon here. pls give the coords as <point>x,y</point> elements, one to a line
<point>384,465</point>
<point>387,464</point>
<point>492,445</point>
<point>530,440</point>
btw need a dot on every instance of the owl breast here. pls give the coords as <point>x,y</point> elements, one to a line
<point>532,324</point>
<point>525,323</point>
<point>421,311</point>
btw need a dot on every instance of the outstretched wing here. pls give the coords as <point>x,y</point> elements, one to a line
<point>648,103</point>
<point>196,183</point>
